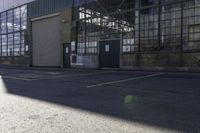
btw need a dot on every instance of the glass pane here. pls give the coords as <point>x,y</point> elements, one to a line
<point>23,17</point>
<point>17,44</point>
<point>10,21</point>
<point>10,44</point>
<point>22,44</point>
<point>3,23</point>
<point>17,19</point>
<point>4,45</point>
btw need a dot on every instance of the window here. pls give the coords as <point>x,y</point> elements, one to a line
<point>10,44</point>
<point>10,21</point>
<point>81,48</point>
<point>22,46</point>
<point>170,28</point>
<point>148,2</point>
<point>129,43</point>
<point>165,25</point>
<point>191,25</point>
<point>3,23</point>
<point>13,23</point>
<point>17,44</point>
<point>149,30</point>
<point>194,37</point>
<point>17,19</point>
<point>91,47</point>
<point>4,45</point>
<point>23,17</point>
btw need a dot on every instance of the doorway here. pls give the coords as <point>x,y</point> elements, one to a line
<point>109,54</point>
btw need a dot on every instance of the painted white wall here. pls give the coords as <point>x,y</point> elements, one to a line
<point>7,4</point>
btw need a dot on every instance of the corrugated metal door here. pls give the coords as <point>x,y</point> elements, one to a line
<point>46,42</point>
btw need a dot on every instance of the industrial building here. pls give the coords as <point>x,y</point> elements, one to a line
<point>130,34</point>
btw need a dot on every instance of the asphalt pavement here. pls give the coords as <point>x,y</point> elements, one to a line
<point>99,101</point>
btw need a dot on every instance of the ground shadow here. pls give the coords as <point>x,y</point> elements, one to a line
<point>167,101</point>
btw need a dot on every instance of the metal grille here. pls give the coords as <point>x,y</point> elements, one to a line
<point>141,25</point>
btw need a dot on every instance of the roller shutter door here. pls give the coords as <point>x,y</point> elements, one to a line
<point>46,42</point>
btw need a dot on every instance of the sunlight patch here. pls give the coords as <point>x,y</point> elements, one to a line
<point>3,88</point>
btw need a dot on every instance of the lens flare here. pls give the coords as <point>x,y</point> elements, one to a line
<point>128,99</point>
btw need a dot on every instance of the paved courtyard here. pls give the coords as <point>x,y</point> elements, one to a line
<point>98,101</point>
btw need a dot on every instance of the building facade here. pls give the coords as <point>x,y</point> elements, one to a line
<point>148,34</point>
<point>9,4</point>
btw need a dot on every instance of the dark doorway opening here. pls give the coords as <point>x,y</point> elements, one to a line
<point>109,54</point>
<point>66,55</point>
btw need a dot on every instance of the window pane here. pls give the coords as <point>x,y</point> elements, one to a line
<point>17,44</point>
<point>3,23</point>
<point>17,19</point>
<point>22,44</point>
<point>24,17</point>
<point>10,21</point>
<point>12,24</point>
<point>4,45</point>
<point>10,44</point>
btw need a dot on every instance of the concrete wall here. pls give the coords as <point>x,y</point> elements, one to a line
<point>22,60</point>
<point>66,23</point>
<point>162,61</point>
